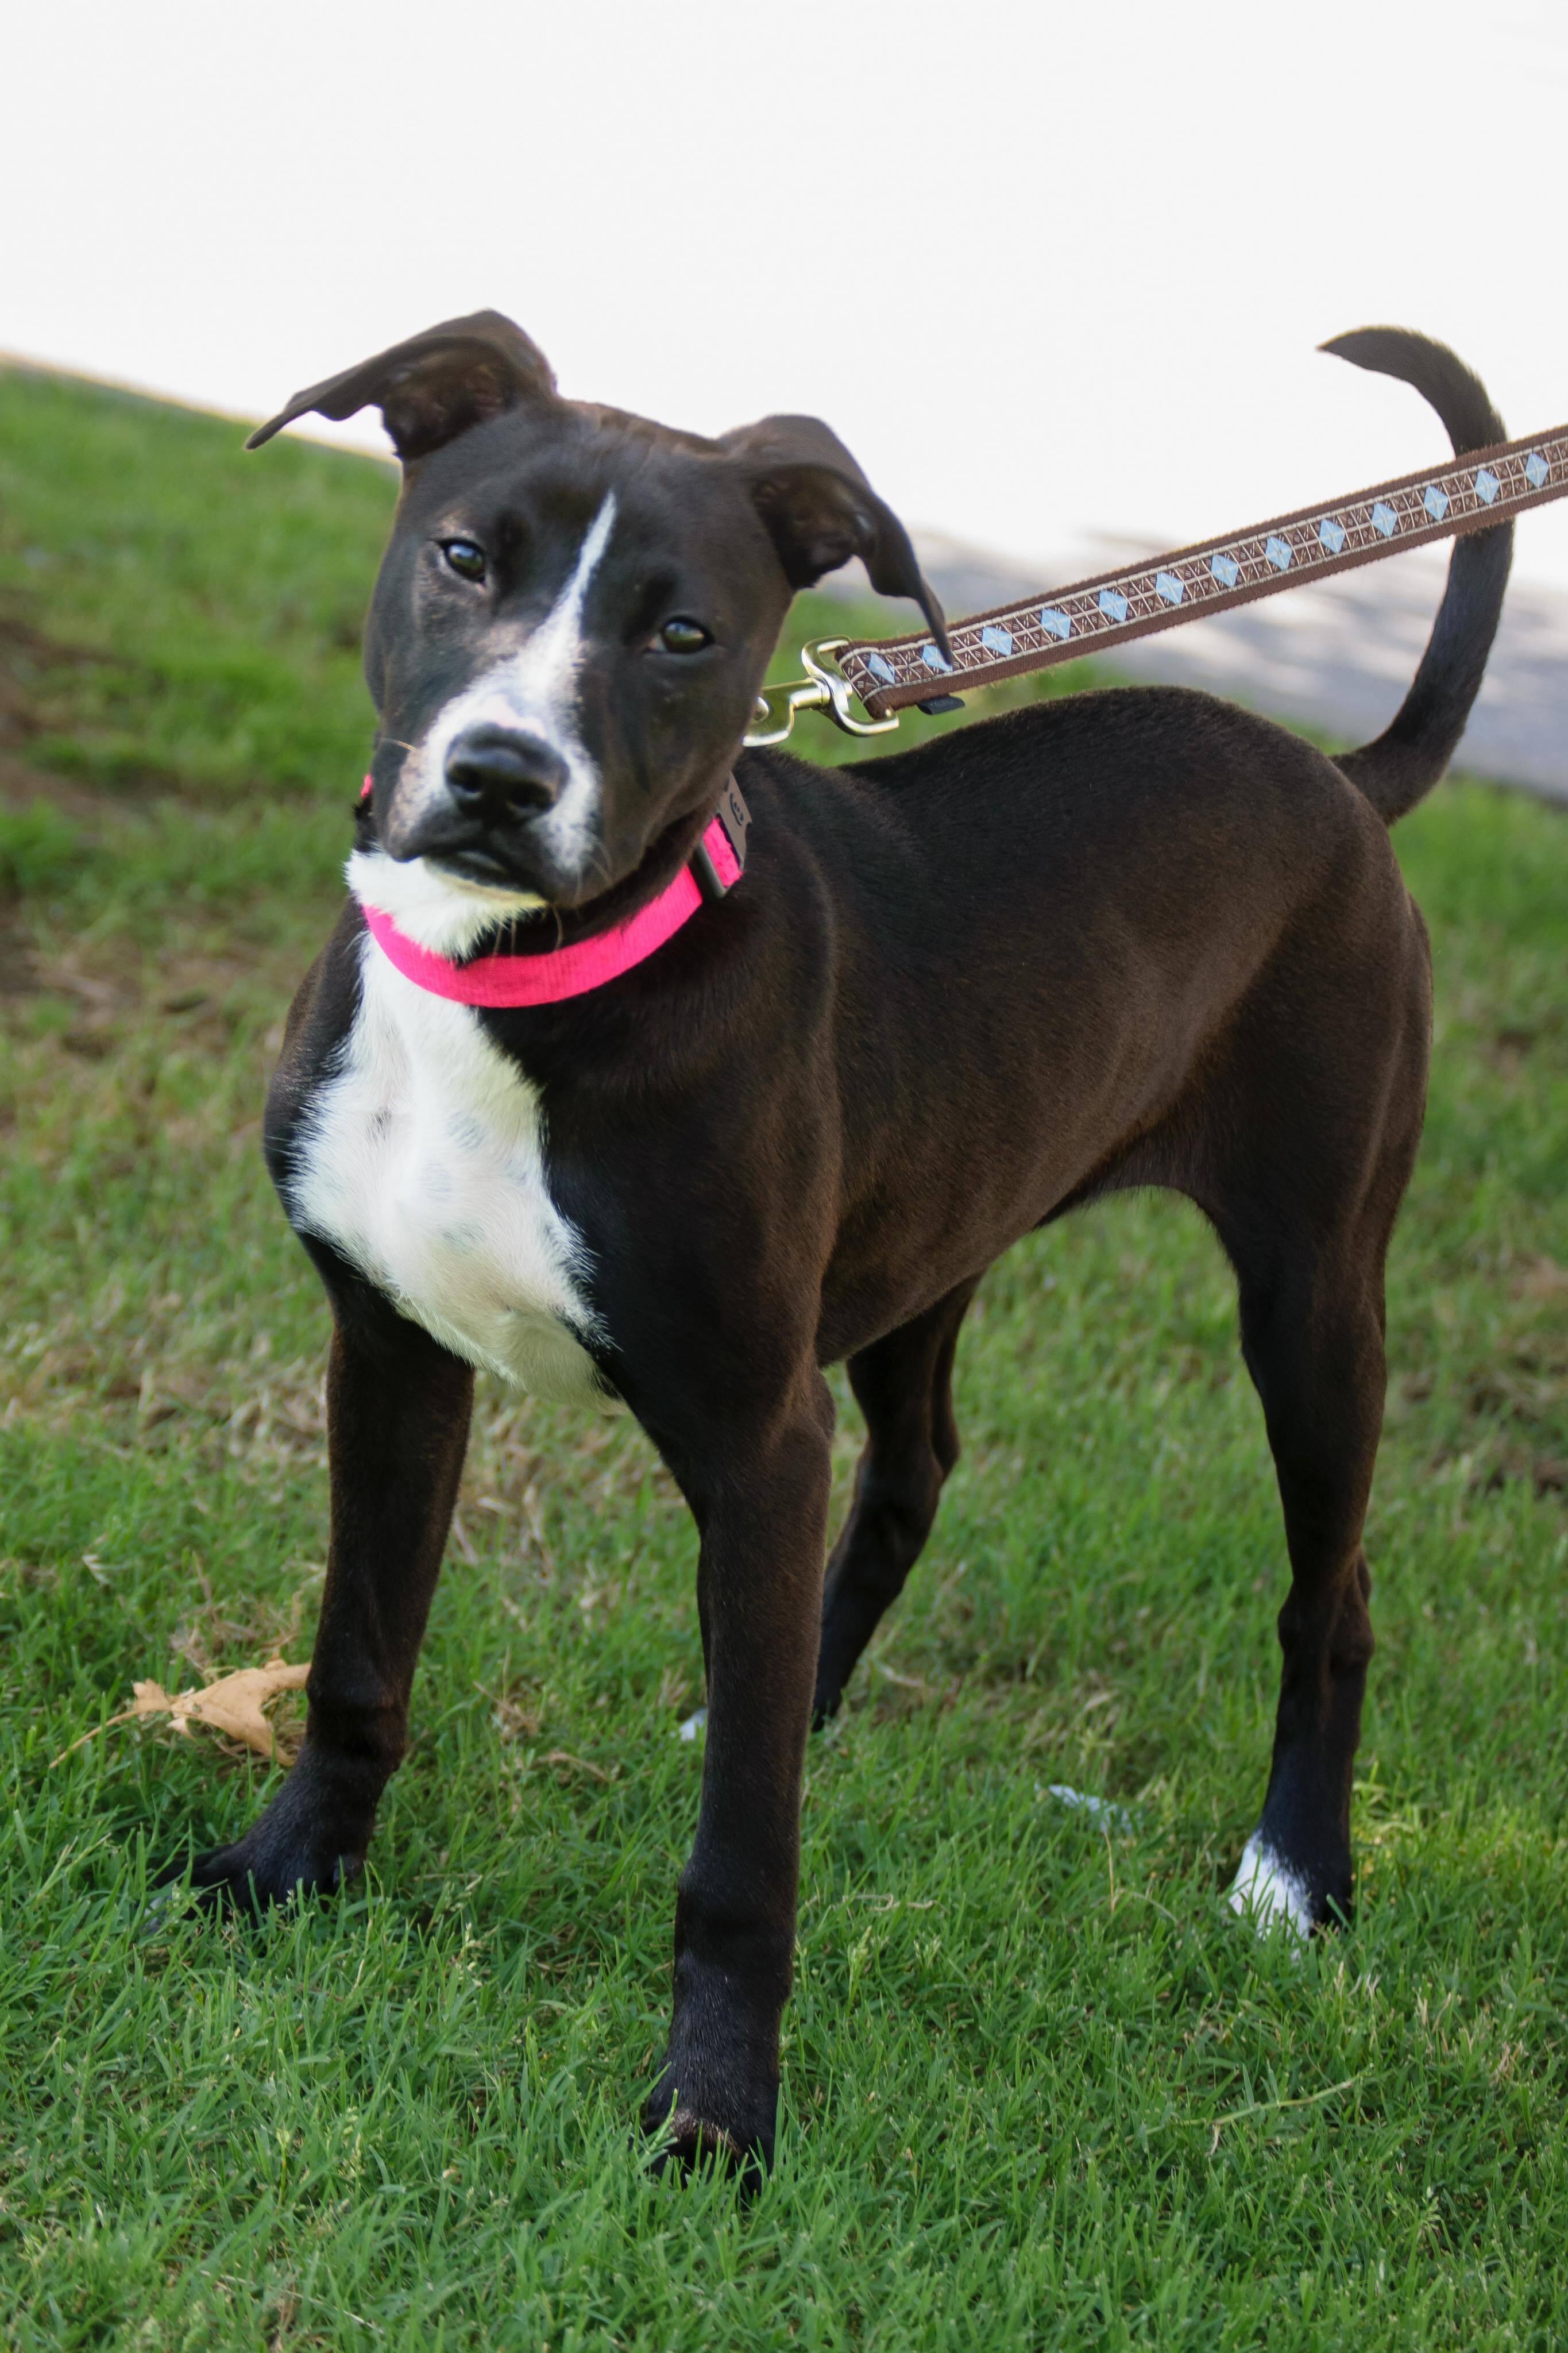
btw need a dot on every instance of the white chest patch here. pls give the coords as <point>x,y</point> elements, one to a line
<point>421,1160</point>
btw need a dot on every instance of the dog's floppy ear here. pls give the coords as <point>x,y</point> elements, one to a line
<point>819,510</point>
<point>434,387</point>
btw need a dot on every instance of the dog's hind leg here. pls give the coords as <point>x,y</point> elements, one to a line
<point>1312,1335</point>
<point>903,1386</point>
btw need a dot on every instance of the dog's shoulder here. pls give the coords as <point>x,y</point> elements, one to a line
<point>317,1022</point>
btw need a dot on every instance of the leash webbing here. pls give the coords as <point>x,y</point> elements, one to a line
<point>886,675</point>
<point>1486,486</point>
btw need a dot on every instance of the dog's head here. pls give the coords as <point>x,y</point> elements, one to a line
<point>577,609</point>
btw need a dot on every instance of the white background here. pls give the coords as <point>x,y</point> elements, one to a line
<point>1048,270</point>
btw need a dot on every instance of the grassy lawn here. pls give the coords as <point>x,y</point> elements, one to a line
<point>1040,2088</point>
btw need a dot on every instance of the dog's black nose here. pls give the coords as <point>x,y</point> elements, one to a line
<point>497,772</point>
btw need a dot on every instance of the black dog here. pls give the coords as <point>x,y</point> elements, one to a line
<point>1126,939</point>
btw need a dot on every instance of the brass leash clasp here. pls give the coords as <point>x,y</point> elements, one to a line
<point>776,707</point>
<point>824,687</point>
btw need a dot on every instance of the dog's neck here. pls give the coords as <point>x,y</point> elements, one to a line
<point>429,925</point>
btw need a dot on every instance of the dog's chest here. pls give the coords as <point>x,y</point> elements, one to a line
<point>421,1160</point>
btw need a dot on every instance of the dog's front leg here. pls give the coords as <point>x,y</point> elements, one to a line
<point>397,1419</point>
<point>761,1503</point>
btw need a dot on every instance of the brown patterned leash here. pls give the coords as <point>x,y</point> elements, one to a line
<point>864,683</point>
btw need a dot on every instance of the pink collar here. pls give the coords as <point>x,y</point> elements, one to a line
<point>549,979</point>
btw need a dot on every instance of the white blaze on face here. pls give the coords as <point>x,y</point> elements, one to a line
<point>534,692</point>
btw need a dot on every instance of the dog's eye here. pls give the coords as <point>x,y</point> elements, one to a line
<point>465,558</point>
<point>683,636</point>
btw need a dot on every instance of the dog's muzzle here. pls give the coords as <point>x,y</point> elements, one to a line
<point>500,776</point>
<point>497,782</point>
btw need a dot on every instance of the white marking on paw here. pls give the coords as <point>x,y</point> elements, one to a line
<point>533,689</point>
<point>1266,1890</point>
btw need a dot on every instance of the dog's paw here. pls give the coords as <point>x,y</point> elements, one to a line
<point>306,1843</point>
<point>1270,1891</point>
<point>246,1880</point>
<point>735,2136</point>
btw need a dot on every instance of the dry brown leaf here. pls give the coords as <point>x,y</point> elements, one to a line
<point>232,1705</point>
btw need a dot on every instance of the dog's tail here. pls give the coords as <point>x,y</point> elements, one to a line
<point>1406,760</point>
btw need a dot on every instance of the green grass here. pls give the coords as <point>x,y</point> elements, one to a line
<point>1040,2089</point>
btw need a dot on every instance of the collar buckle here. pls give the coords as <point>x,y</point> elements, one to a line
<point>734,817</point>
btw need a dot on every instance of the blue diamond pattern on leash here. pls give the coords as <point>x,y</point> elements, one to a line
<point>1167,585</point>
<point>879,666</point>
<point>1226,570</point>
<point>1113,604</point>
<point>933,659</point>
<point>1332,534</point>
<point>1436,502</point>
<point>1385,519</point>
<point>1057,625</point>
<point>1536,470</point>
<point>1487,484</point>
<point>1278,551</point>
<point>995,641</point>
